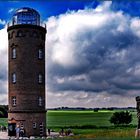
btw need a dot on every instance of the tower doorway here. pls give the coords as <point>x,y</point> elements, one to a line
<point>12,127</point>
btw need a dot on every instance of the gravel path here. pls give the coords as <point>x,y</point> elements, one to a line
<point>4,135</point>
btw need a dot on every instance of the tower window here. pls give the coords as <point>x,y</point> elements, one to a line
<point>35,34</point>
<point>34,125</point>
<point>14,101</point>
<point>40,101</point>
<point>14,53</point>
<point>20,33</point>
<point>13,78</point>
<point>40,54</point>
<point>40,78</point>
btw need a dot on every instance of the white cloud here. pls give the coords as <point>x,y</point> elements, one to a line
<point>85,99</point>
<point>92,53</point>
<point>3,22</point>
<point>64,32</point>
<point>3,48</point>
<point>3,66</point>
<point>104,7</point>
<point>135,26</point>
<point>11,10</point>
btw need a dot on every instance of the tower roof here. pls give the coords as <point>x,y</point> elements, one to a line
<point>26,10</point>
<point>26,15</point>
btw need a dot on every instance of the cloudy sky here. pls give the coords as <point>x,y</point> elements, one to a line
<point>93,51</point>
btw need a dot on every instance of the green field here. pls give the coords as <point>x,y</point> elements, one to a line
<point>79,118</point>
<point>90,124</point>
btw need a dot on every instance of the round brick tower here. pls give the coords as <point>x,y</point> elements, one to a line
<point>26,62</point>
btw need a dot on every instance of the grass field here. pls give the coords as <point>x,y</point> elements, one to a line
<point>90,124</point>
<point>57,119</point>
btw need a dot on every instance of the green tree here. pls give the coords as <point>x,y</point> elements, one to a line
<point>123,117</point>
<point>3,111</point>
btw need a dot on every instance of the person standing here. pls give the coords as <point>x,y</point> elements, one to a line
<point>22,132</point>
<point>17,131</point>
<point>49,131</point>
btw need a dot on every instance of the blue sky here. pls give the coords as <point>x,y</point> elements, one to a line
<point>49,8</point>
<point>45,8</point>
<point>92,51</point>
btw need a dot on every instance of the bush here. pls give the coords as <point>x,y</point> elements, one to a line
<point>121,118</point>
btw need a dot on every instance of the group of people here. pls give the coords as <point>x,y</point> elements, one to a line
<point>20,131</point>
<point>62,132</point>
<point>66,132</point>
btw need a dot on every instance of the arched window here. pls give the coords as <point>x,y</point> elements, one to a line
<point>12,34</point>
<point>40,101</point>
<point>14,53</point>
<point>40,54</point>
<point>13,78</point>
<point>40,78</point>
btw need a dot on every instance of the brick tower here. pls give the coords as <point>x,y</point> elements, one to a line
<point>26,74</point>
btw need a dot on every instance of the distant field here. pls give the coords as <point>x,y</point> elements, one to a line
<point>90,124</point>
<point>73,118</point>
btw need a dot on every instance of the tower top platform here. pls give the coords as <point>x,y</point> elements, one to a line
<point>26,15</point>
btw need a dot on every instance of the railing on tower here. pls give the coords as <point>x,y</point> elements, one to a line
<point>26,15</point>
<point>12,24</point>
